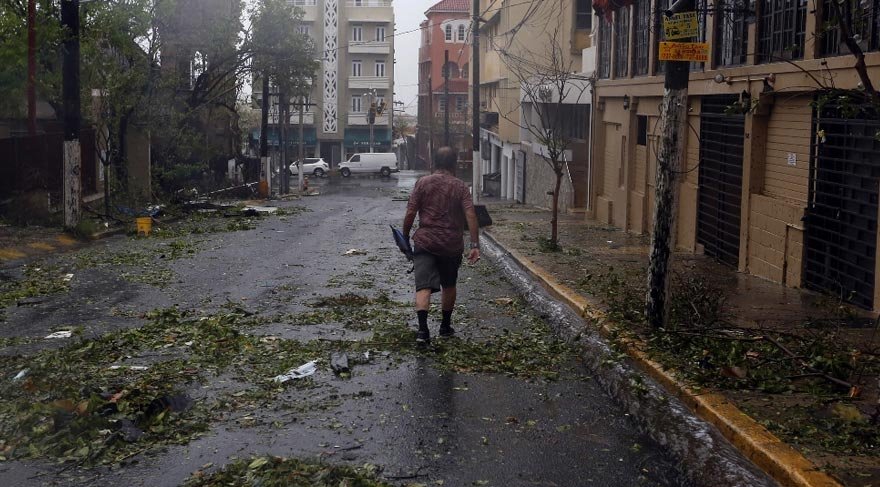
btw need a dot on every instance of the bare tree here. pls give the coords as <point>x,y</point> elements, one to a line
<point>549,85</point>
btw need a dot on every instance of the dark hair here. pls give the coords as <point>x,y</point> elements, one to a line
<point>446,159</point>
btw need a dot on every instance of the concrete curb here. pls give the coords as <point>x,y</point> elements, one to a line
<point>779,460</point>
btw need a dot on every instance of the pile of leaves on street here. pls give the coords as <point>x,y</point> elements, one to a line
<point>276,471</point>
<point>103,400</point>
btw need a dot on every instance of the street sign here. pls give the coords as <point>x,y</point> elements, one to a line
<point>681,26</point>
<point>684,51</point>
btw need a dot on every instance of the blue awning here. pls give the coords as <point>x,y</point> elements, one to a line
<point>272,136</point>
<point>361,137</point>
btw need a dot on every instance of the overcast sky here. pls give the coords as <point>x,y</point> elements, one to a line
<point>408,14</point>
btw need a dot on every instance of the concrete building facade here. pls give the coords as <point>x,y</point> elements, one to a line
<point>355,48</point>
<point>533,33</point>
<point>772,185</point>
<point>445,31</point>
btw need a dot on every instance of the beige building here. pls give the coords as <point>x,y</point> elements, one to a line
<point>771,186</point>
<point>517,34</point>
<point>355,46</point>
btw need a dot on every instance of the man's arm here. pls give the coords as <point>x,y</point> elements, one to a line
<point>408,220</point>
<point>412,208</point>
<point>474,228</point>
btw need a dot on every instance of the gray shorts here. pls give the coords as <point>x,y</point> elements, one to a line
<point>435,272</point>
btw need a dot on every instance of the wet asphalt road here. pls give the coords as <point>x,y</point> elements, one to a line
<point>419,424</point>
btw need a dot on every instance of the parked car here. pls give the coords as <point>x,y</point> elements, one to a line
<point>313,165</point>
<point>383,163</point>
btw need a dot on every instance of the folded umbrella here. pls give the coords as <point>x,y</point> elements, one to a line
<point>402,242</point>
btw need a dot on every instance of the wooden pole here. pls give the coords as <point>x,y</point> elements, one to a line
<point>673,129</point>
<point>70,94</point>
<point>32,67</point>
<point>475,115</point>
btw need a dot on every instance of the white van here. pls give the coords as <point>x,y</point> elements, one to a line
<point>383,163</point>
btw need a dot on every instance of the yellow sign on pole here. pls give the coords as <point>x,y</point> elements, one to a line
<point>681,26</point>
<point>684,51</point>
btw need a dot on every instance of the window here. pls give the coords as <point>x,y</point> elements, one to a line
<point>442,104</point>
<point>465,71</point>
<point>731,42</point>
<point>604,48</point>
<point>583,16</point>
<point>304,3</point>
<point>380,34</point>
<point>621,42</point>
<point>356,104</point>
<point>642,24</point>
<point>461,33</point>
<point>355,68</point>
<point>357,33</point>
<point>660,6</point>
<point>642,130</point>
<point>380,69</point>
<point>448,30</point>
<point>701,25</point>
<point>864,21</point>
<point>453,70</point>
<point>460,103</point>
<point>781,30</point>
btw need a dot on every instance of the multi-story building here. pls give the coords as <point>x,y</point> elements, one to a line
<point>772,185</point>
<point>518,40</point>
<point>355,46</point>
<point>445,33</point>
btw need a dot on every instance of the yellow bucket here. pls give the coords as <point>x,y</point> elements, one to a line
<point>144,225</point>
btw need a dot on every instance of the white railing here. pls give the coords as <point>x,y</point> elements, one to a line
<point>368,3</point>
<point>304,3</point>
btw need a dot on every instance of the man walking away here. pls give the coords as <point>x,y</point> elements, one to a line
<point>443,204</point>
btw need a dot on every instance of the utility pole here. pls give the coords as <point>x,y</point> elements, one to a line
<point>302,146</point>
<point>371,116</point>
<point>70,94</point>
<point>264,138</point>
<point>475,120</point>
<point>446,97</point>
<point>32,67</point>
<point>430,124</point>
<point>673,128</point>
<point>284,118</point>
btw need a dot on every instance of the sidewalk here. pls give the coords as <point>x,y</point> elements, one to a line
<point>24,242</point>
<point>718,348</point>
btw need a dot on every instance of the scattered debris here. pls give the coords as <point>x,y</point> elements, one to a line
<point>259,210</point>
<point>21,375</point>
<point>59,334</point>
<point>67,277</point>
<point>339,363</point>
<point>300,372</point>
<point>355,252</point>
<point>503,301</point>
<point>136,368</point>
<point>128,431</point>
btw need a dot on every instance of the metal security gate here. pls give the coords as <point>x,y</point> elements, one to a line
<point>720,194</point>
<point>841,223</point>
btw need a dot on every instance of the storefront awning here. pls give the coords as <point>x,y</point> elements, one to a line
<point>361,137</point>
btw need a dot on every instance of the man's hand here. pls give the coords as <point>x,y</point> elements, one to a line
<point>473,256</point>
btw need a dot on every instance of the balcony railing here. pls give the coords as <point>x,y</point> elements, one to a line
<point>368,3</point>
<point>361,119</point>
<point>369,48</point>
<point>369,82</point>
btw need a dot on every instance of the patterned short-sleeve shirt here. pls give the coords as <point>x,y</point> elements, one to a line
<point>440,201</point>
